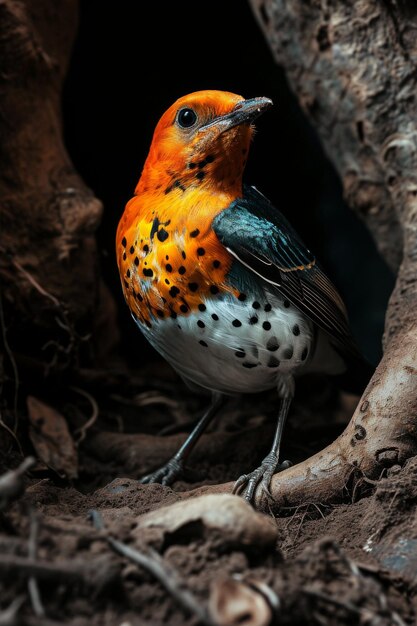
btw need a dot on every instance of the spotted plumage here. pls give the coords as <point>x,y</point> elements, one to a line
<point>232,344</point>
<point>216,278</point>
<point>183,264</point>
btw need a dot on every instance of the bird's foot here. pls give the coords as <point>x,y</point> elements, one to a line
<point>167,474</point>
<point>247,483</point>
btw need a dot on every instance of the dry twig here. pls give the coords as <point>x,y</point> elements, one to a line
<point>362,612</point>
<point>96,574</point>
<point>34,594</point>
<point>35,283</point>
<point>154,564</point>
<point>11,433</point>
<point>12,360</point>
<point>151,398</point>
<point>11,483</point>
<point>347,606</point>
<point>358,577</point>
<point>8,617</point>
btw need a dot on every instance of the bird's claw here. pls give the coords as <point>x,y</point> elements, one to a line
<point>247,483</point>
<point>165,475</point>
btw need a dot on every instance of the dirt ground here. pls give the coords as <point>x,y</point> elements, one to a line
<point>221,562</point>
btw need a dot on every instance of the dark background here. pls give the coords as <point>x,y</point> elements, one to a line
<point>132,61</point>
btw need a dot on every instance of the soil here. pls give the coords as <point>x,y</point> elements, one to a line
<point>348,563</point>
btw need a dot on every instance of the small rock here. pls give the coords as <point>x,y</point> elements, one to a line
<point>224,516</point>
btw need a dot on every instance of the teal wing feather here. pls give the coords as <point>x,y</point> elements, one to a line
<point>262,240</point>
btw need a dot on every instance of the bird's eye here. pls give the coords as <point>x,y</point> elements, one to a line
<point>186,118</point>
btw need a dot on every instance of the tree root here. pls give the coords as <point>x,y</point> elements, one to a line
<point>371,442</point>
<point>337,62</point>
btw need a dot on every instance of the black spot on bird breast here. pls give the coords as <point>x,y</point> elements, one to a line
<point>154,229</point>
<point>272,344</point>
<point>177,184</point>
<point>273,362</point>
<point>162,234</point>
<point>155,226</point>
<point>208,159</point>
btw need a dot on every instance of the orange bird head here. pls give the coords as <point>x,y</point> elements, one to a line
<point>193,171</point>
<point>205,129</point>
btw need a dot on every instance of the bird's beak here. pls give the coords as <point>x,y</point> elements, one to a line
<point>244,111</point>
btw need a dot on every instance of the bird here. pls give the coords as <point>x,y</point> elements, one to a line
<point>218,280</point>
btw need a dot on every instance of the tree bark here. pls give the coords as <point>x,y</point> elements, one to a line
<point>353,66</point>
<point>49,277</point>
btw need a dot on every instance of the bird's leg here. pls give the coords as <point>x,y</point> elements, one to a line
<point>174,468</point>
<point>248,483</point>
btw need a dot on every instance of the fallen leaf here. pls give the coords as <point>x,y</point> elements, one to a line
<point>51,438</point>
<point>234,603</point>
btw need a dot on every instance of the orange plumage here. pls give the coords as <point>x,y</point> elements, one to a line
<point>168,256</point>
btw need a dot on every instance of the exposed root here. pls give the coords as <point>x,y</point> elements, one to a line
<point>35,283</point>
<point>15,375</point>
<point>12,434</point>
<point>82,431</point>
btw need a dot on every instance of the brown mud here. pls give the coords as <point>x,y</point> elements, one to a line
<point>351,563</point>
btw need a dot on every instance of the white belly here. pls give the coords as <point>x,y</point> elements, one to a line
<point>236,347</point>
